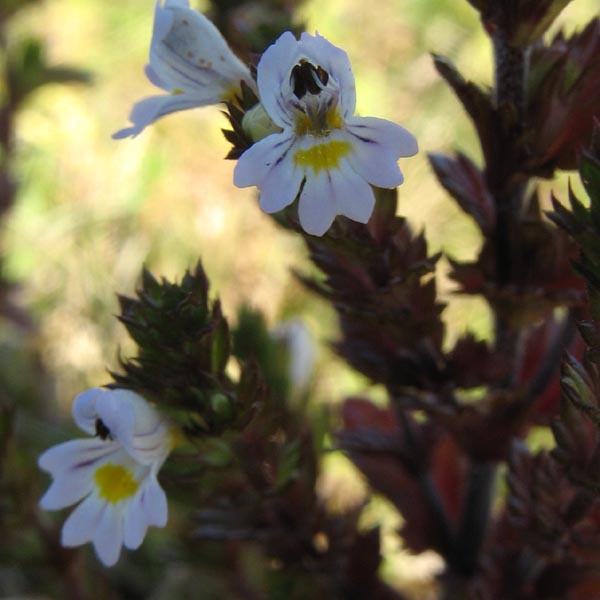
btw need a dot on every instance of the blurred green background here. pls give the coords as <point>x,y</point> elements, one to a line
<point>91,210</point>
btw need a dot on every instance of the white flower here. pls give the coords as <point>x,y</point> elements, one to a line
<point>301,349</point>
<point>307,88</point>
<point>113,474</point>
<point>189,59</point>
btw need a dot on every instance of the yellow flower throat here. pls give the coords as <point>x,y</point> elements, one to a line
<point>322,157</point>
<point>115,483</point>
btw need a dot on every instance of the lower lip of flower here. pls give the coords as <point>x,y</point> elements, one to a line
<point>115,483</point>
<point>322,157</point>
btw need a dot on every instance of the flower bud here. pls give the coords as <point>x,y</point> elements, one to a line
<point>258,124</point>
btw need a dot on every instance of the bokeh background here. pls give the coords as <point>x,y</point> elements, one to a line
<point>90,211</point>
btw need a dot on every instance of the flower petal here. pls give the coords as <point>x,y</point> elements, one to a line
<point>392,136</point>
<point>376,146</point>
<point>316,207</point>
<point>84,410</point>
<point>66,491</point>
<point>137,425</point>
<point>82,523</point>
<point>336,62</point>
<point>135,524</point>
<point>375,164</point>
<point>154,78</point>
<point>115,408</point>
<point>108,537</point>
<point>163,19</point>
<point>189,53</point>
<point>150,109</point>
<point>152,446</point>
<point>255,164</point>
<point>273,76</point>
<point>280,188</point>
<point>154,503</point>
<point>76,456</point>
<point>149,507</point>
<point>353,196</point>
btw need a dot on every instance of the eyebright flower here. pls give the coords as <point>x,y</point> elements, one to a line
<point>113,474</point>
<point>189,59</point>
<point>324,152</point>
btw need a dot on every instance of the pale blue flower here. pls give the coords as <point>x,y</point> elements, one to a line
<point>113,475</point>
<point>191,61</point>
<point>323,150</point>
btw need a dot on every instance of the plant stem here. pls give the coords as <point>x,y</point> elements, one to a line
<point>430,493</point>
<point>438,513</point>
<point>509,98</point>
<point>475,515</point>
<point>509,84</point>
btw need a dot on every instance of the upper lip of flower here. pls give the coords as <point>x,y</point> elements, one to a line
<point>306,75</point>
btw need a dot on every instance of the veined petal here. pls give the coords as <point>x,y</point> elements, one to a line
<point>163,19</point>
<point>273,77</point>
<point>392,136</point>
<point>374,162</point>
<point>336,62</point>
<point>81,524</point>
<point>154,502</point>
<point>76,456</point>
<point>152,446</point>
<point>281,187</point>
<point>84,410</point>
<point>316,207</point>
<point>353,196</point>
<point>188,52</point>
<point>256,163</point>
<point>115,409</point>
<point>135,523</point>
<point>138,426</point>
<point>108,537</point>
<point>67,490</point>
<point>150,109</point>
<point>154,78</point>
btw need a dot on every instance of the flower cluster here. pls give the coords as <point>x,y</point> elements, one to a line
<point>314,148</point>
<point>112,474</point>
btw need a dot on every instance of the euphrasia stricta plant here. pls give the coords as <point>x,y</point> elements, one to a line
<point>208,418</point>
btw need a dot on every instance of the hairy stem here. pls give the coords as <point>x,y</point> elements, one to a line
<point>509,97</point>
<point>511,66</point>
